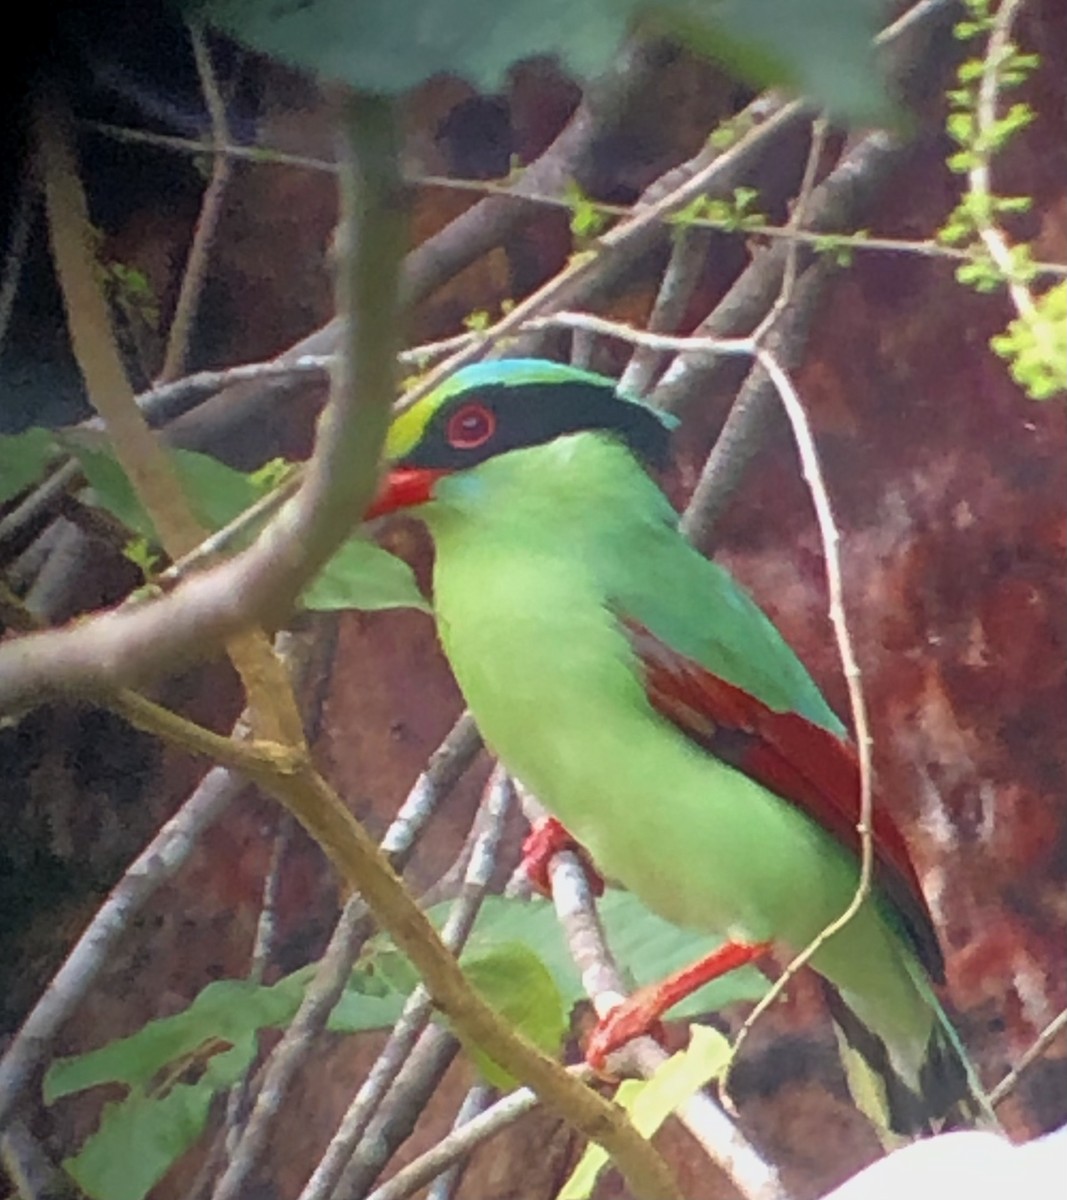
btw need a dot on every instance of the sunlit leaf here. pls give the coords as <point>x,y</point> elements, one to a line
<point>650,1102</point>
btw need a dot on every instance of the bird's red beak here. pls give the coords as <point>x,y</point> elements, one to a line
<point>403,487</point>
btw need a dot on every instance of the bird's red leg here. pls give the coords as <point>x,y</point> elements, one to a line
<point>545,840</point>
<point>640,1012</point>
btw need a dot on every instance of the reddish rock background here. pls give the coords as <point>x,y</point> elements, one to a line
<point>949,488</point>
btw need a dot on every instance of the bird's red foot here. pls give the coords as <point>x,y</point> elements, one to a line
<point>636,1016</point>
<point>640,1013</point>
<point>545,840</point>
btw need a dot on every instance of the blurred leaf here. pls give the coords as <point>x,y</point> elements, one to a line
<point>364,576</point>
<point>650,1102</point>
<point>820,46</point>
<point>360,575</point>
<point>514,980</point>
<point>216,492</point>
<point>821,49</point>
<point>23,458</point>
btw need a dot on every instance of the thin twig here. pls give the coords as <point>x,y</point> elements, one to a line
<point>264,580</point>
<point>415,1085</point>
<point>151,473</point>
<point>159,861</point>
<point>461,1142</point>
<point>1035,1052</point>
<point>443,771</point>
<point>680,279</point>
<point>211,208</point>
<point>784,329</point>
<point>980,175</point>
<point>754,413</point>
<point>476,1101</point>
<point>29,1170</point>
<point>796,220</point>
<point>263,944</point>
<point>320,999</point>
<point>838,201</point>
<point>15,254</point>
<point>742,347</point>
<point>828,532</point>
<point>616,246</point>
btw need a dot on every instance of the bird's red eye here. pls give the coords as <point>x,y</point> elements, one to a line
<point>470,427</point>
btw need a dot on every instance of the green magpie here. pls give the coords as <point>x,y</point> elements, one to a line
<point>658,714</point>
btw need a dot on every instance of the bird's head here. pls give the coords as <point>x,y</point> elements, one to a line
<point>495,408</point>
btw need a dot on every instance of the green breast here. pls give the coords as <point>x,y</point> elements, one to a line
<point>537,554</point>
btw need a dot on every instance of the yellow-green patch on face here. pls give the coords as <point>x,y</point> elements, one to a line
<point>408,427</point>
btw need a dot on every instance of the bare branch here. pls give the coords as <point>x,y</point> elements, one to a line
<point>676,289</point>
<point>465,1138</point>
<point>160,860</point>
<point>15,254</point>
<point>1034,1054</point>
<point>211,208</point>
<point>476,1101</point>
<point>753,414</point>
<point>28,1168</point>
<point>447,763</point>
<point>837,203</point>
<point>151,473</point>
<point>443,771</point>
<point>353,1150</point>
<point>262,582</point>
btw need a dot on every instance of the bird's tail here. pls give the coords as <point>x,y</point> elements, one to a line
<point>944,1092</point>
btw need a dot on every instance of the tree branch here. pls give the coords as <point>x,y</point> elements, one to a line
<point>110,650</point>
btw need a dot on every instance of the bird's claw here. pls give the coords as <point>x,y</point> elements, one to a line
<point>636,1016</point>
<point>545,840</point>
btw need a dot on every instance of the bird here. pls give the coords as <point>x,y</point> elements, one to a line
<point>658,714</point>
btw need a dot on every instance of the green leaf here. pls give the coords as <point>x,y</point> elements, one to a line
<point>521,988</point>
<point>363,575</point>
<point>644,944</point>
<point>821,47</point>
<point>140,1137</point>
<point>23,458</point>
<point>216,492</point>
<point>227,1010</point>
<point>649,1102</point>
<point>175,1066</point>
